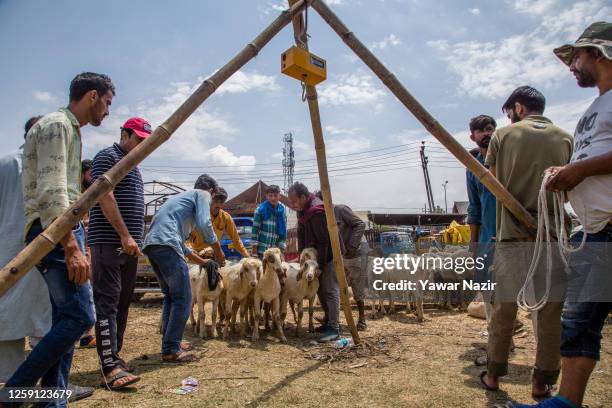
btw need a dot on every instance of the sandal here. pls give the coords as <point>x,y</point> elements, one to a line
<point>127,367</point>
<point>186,346</point>
<point>484,384</point>
<point>361,325</point>
<point>110,382</point>
<point>179,358</point>
<point>545,394</point>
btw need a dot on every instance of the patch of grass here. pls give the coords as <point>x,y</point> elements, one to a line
<point>406,364</point>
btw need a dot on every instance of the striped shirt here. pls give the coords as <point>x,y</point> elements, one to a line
<point>265,232</point>
<point>129,194</point>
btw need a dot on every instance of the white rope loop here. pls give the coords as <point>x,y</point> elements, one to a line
<point>544,232</point>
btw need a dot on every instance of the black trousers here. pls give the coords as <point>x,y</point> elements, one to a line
<point>113,280</point>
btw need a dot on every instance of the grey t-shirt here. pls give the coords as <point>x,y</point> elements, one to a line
<point>591,200</point>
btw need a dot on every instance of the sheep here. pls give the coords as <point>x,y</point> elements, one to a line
<point>308,253</point>
<point>396,275</point>
<point>268,289</point>
<point>302,283</point>
<point>239,281</point>
<point>200,294</point>
<point>443,272</point>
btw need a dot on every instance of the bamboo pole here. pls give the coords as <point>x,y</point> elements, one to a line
<point>48,239</point>
<point>423,116</point>
<point>301,40</point>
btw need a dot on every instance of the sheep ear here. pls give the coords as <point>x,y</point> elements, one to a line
<point>258,273</point>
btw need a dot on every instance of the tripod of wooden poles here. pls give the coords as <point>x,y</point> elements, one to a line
<point>46,241</point>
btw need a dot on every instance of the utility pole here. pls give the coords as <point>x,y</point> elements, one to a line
<point>445,204</point>
<point>288,161</point>
<point>424,162</point>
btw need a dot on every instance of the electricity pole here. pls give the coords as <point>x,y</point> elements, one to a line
<point>424,162</point>
<point>288,161</point>
<point>445,204</point>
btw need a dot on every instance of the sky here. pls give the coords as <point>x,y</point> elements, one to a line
<point>458,58</point>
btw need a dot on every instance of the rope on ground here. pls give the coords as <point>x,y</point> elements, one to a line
<point>543,232</point>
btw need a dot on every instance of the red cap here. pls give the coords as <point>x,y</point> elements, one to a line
<point>141,127</point>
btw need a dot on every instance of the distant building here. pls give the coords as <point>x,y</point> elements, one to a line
<point>245,203</point>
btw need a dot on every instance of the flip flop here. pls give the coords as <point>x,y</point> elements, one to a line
<point>186,346</point>
<point>179,358</point>
<point>130,368</point>
<point>109,383</point>
<point>484,384</point>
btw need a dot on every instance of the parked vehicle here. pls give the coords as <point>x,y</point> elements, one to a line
<point>244,226</point>
<point>396,242</point>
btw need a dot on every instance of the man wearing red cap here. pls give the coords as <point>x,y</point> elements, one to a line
<point>115,234</point>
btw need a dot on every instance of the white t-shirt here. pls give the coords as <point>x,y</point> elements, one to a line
<point>592,199</point>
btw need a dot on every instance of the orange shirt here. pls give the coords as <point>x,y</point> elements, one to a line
<point>223,222</point>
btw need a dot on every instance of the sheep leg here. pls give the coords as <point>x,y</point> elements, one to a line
<point>311,314</point>
<point>228,313</point>
<point>213,317</point>
<point>192,320</point>
<point>293,311</point>
<point>235,307</point>
<point>201,316</point>
<point>275,317</point>
<point>257,311</point>
<point>298,327</point>
<point>267,316</point>
<point>283,309</point>
<point>243,317</point>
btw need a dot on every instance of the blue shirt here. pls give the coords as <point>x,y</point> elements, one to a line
<point>481,210</point>
<point>129,194</point>
<point>175,220</point>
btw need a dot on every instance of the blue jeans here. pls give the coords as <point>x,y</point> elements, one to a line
<point>583,321</point>
<point>71,313</point>
<point>173,276</point>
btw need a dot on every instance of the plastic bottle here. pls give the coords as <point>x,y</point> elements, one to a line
<point>344,342</point>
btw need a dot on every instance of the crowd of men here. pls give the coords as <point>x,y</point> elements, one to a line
<point>568,333</point>
<point>90,275</point>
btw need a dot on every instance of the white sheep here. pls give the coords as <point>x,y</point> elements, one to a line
<point>302,283</point>
<point>396,276</point>
<point>201,294</point>
<point>268,290</point>
<point>445,270</point>
<point>239,281</point>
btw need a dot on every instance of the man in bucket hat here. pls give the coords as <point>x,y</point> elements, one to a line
<point>587,179</point>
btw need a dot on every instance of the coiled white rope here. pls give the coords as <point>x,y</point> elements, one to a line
<point>543,231</point>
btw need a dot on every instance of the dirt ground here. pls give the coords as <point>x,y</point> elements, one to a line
<point>401,364</point>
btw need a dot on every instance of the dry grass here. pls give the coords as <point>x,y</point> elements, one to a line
<point>401,363</point>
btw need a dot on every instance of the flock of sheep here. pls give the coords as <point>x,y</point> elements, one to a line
<point>272,284</point>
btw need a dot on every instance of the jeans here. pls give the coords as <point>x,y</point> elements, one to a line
<point>72,313</point>
<point>583,321</point>
<point>173,275</point>
<point>329,295</point>
<point>113,280</point>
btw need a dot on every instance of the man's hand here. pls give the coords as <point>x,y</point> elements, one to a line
<point>564,178</point>
<point>78,265</point>
<point>219,256</point>
<point>130,246</point>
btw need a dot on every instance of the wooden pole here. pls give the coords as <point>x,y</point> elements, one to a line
<point>48,239</point>
<point>424,116</point>
<point>301,40</point>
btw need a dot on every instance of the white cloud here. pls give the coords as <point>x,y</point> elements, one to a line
<point>246,81</point>
<point>282,5</point>
<point>351,89</point>
<point>390,40</point>
<point>533,7</point>
<point>492,69</point>
<point>347,145</point>
<point>474,11</point>
<point>43,96</point>
<point>333,130</point>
